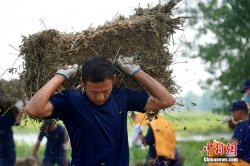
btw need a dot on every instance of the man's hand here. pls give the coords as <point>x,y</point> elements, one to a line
<point>69,72</point>
<point>226,119</point>
<point>127,66</point>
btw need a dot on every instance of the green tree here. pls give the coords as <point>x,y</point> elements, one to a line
<point>227,57</point>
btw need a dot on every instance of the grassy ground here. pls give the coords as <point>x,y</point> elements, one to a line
<point>25,150</point>
<point>190,150</point>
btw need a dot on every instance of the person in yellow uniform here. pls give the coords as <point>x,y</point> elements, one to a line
<point>161,140</point>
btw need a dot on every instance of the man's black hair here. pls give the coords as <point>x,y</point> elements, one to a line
<point>97,69</point>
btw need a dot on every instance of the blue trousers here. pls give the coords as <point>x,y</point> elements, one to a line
<point>51,160</point>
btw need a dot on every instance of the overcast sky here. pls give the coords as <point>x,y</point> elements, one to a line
<point>23,17</point>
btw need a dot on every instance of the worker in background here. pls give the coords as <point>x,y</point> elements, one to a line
<point>161,140</point>
<point>239,112</point>
<point>9,116</point>
<point>56,146</point>
<point>246,97</point>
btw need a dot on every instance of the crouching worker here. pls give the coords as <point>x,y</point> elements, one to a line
<point>57,139</point>
<point>162,144</point>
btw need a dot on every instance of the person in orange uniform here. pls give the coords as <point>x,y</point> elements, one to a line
<point>161,140</point>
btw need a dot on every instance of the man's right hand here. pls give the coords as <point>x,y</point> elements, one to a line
<point>69,72</point>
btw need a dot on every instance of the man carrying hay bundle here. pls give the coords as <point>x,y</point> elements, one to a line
<point>96,118</point>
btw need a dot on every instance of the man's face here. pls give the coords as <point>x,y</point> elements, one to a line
<point>248,92</point>
<point>99,92</point>
<point>237,115</point>
<point>52,127</point>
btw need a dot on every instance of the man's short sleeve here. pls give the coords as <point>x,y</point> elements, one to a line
<point>137,100</point>
<point>60,105</point>
<point>41,135</point>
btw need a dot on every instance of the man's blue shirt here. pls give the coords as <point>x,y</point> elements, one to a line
<point>98,134</point>
<point>55,141</point>
<point>242,134</point>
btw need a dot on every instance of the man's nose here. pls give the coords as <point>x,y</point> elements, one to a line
<point>100,97</point>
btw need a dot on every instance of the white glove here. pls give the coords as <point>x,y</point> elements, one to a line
<point>19,105</point>
<point>127,66</point>
<point>69,72</point>
<point>226,119</point>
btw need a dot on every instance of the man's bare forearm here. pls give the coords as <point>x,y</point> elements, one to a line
<point>38,102</point>
<point>156,89</point>
<point>36,148</point>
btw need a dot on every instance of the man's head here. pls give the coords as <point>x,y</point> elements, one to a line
<point>246,88</point>
<point>239,110</point>
<point>48,125</point>
<point>98,76</point>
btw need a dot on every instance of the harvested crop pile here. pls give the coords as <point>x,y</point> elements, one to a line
<point>144,35</point>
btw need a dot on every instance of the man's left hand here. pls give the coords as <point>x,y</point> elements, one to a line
<point>127,66</point>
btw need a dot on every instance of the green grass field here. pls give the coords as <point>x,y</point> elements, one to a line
<point>190,150</point>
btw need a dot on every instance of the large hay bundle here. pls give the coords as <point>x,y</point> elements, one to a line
<point>144,35</point>
<point>10,92</point>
